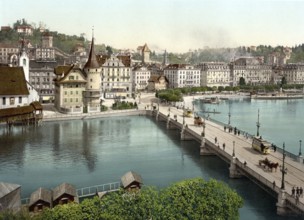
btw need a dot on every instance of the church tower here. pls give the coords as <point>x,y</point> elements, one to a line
<point>92,95</point>
<point>24,61</point>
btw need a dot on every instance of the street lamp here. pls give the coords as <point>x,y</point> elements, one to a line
<point>229,115</point>
<point>258,123</point>
<point>233,150</point>
<point>184,113</point>
<point>300,150</point>
<point>204,126</point>
<point>283,169</point>
<point>169,112</point>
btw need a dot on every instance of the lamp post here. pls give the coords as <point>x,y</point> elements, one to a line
<point>258,123</point>
<point>169,112</point>
<point>229,115</point>
<point>184,113</point>
<point>300,150</point>
<point>233,150</point>
<point>204,126</point>
<point>283,169</point>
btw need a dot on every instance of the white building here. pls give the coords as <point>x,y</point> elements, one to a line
<point>215,74</point>
<point>140,78</point>
<point>182,75</point>
<point>116,76</point>
<point>294,73</point>
<point>252,70</point>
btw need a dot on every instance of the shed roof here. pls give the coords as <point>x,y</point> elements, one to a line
<point>129,178</point>
<point>6,188</point>
<point>64,188</point>
<point>12,81</point>
<point>41,194</point>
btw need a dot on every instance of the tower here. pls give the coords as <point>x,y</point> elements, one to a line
<point>145,54</point>
<point>92,95</point>
<point>24,60</point>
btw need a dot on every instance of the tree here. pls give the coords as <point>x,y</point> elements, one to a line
<point>109,50</point>
<point>284,81</point>
<point>199,199</point>
<point>242,81</point>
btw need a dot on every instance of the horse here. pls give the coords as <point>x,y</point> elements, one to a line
<point>273,165</point>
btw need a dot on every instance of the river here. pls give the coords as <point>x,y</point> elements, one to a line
<point>97,151</point>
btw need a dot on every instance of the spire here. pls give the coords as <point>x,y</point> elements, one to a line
<point>92,61</point>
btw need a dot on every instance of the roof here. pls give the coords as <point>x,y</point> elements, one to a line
<point>156,78</point>
<point>41,194</point>
<point>10,112</point>
<point>64,188</point>
<point>146,48</point>
<point>12,81</point>
<point>125,59</point>
<point>6,188</point>
<point>63,69</point>
<point>92,60</point>
<point>129,178</point>
<point>36,105</point>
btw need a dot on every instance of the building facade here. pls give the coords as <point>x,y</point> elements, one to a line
<point>294,73</point>
<point>215,74</point>
<point>140,78</point>
<point>116,76</point>
<point>252,70</point>
<point>182,75</point>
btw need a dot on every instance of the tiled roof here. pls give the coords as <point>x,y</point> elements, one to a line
<point>62,189</point>
<point>41,194</point>
<point>59,70</point>
<point>125,59</point>
<point>92,60</point>
<point>130,177</point>
<point>12,81</point>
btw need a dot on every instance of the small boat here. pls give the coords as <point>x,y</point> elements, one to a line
<point>212,100</point>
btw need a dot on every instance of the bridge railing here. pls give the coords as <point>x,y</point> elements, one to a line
<point>92,190</point>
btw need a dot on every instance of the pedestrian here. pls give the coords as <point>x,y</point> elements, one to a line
<point>293,191</point>
<point>215,139</point>
<point>301,191</point>
<point>275,148</point>
<point>239,132</point>
<point>273,185</point>
<point>298,191</point>
<point>224,145</point>
<point>245,163</point>
<point>225,128</point>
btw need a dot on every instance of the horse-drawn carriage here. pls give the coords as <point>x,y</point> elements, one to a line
<point>198,121</point>
<point>269,165</point>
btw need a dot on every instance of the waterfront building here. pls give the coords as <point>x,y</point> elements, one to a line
<point>64,193</point>
<point>182,75</point>
<point>215,74</point>
<point>40,199</point>
<point>116,75</point>
<point>10,196</point>
<point>92,93</point>
<point>294,73</point>
<point>252,70</point>
<point>140,77</point>
<point>70,89</point>
<point>157,82</point>
<point>131,180</point>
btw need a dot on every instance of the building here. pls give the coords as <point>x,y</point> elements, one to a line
<point>45,52</point>
<point>40,199</point>
<point>294,73</point>
<point>41,75</point>
<point>215,74</point>
<point>64,193</point>
<point>116,76</point>
<point>10,196</point>
<point>140,78</point>
<point>144,52</point>
<point>9,53</point>
<point>252,70</point>
<point>131,180</point>
<point>182,75</point>
<point>70,89</point>
<point>24,29</point>
<point>157,82</point>
<point>92,94</point>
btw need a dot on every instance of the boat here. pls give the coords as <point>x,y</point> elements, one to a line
<point>274,96</point>
<point>212,100</point>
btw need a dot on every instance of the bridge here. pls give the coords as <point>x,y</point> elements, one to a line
<point>236,149</point>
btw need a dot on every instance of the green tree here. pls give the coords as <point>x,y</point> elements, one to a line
<point>199,199</point>
<point>284,81</point>
<point>242,81</point>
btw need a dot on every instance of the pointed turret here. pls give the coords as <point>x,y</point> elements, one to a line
<point>92,61</point>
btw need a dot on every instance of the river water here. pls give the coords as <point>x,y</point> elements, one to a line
<point>92,152</point>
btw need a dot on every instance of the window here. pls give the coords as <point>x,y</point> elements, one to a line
<point>71,77</point>
<point>3,101</point>
<point>71,100</point>
<point>12,101</point>
<point>20,99</point>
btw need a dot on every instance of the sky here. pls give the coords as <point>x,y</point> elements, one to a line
<point>173,25</point>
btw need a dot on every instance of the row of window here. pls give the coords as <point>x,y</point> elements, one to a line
<point>12,100</point>
<point>72,100</point>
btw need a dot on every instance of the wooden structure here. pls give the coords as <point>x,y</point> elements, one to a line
<point>10,196</point>
<point>22,115</point>
<point>40,199</point>
<point>131,180</point>
<point>64,193</point>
